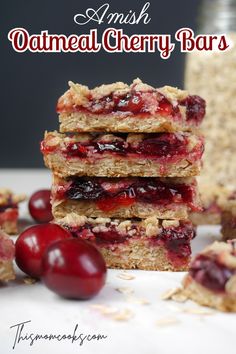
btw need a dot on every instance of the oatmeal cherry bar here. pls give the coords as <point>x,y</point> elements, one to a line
<point>136,108</point>
<point>211,280</point>
<point>122,155</point>
<point>7,252</point>
<point>140,197</point>
<point>9,210</point>
<point>149,244</point>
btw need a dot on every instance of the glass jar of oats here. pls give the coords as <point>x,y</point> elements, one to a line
<point>213,76</point>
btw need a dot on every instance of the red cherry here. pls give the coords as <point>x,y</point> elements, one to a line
<point>40,207</point>
<point>165,108</point>
<point>130,102</point>
<point>109,204</point>
<point>74,269</point>
<point>32,243</point>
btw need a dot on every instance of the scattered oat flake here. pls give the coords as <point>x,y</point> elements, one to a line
<point>125,290</point>
<point>103,309</point>
<point>198,311</point>
<point>136,300</point>
<point>167,295</point>
<point>126,276</point>
<point>175,308</point>
<point>29,281</point>
<point>113,312</point>
<point>168,321</point>
<point>179,297</point>
<point>123,315</point>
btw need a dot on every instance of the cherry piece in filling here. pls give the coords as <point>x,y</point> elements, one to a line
<point>165,108</point>
<point>32,243</point>
<point>195,108</point>
<point>40,207</point>
<point>163,144</point>
<point>132,102</point>
<point>73,269</point>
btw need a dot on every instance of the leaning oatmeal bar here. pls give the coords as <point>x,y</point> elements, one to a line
<point>119,107</point>
<point>228,219</point>
<point>7,252</point>
<point>149,244</point>
<point>140,197</point>
<point>211,280</point>
<point>9,210</point>
<point>214,198</point>
<point>122,155</point>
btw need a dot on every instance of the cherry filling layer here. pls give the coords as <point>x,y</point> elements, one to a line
<point>140,103</point>
<point>176,240</point>
<point>168,147</point>
<point>210,273</point>
<point>110,195</point>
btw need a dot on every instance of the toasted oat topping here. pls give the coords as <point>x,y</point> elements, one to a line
<point>141,86</point>
<point>173,93</point>
<point>149,227</point>
<point>7,195</point>
<point>124,227</point>
<point>106,138</point>
<point>152,226</point>
<point>80,94</point>
<point>73,219</point>
<point>170,223</point>
<point>106,90</point>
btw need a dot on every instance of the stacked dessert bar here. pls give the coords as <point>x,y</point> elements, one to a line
<point>124,167</point>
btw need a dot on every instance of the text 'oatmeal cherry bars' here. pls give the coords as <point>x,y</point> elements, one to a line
<point>124,167</point>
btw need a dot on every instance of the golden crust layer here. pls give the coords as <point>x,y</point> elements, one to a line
<point>88,122</point>
<point>137,210</point>
<point>138,254</point>
<point>110,166</point>
<point>228,225</point>
<point>10,227</point>
<point>203,296</point>
<point>7,254</point>
<point>6,271</point>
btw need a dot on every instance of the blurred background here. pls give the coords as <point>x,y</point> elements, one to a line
<point>32,83</point>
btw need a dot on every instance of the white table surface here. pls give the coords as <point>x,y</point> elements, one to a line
<point>212,332</point>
